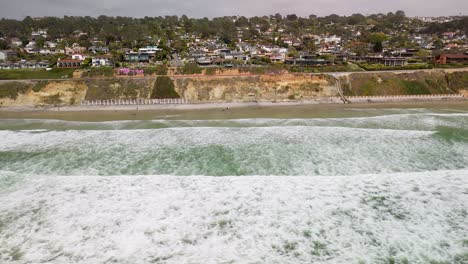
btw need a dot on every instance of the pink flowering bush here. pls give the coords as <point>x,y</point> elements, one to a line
<point>131,72</point>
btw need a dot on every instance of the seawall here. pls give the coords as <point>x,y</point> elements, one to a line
<point>255,88</point>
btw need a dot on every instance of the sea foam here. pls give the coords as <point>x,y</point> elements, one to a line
<point>414,217</point>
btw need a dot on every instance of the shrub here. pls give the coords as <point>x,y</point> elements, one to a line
<point>130,72</point>
<point>164,88</point>
<point>253,70</point>
<point>159,70</point>
<point>191,68</point>
<point>39,85</point>
<point>413,87</point>
<point>98,72</point>
<point>379,67</point>
<point>52,99</point>
<point>12,90</point>
<point>210,71</point>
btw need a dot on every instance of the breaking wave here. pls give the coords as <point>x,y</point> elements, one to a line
<point>380,189</point>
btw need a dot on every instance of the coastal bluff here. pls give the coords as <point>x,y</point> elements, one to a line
<point>199,89</point>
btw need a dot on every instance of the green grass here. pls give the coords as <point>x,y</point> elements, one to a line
<point>327,68</point>
<point>381,67</point>
<point>414,87</point>
<point>55,73</point>
<point>99,72</point>
<point>451,65</point>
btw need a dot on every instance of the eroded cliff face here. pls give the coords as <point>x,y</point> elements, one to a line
<point>194,89</point>
<point>281,87</point>
<point>255,88</point>
<point>37,93</point>
<point>405,83</point>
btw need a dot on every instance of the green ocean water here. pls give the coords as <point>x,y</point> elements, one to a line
<point>259,185</point>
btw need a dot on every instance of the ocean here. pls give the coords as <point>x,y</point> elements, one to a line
<point>274,185</point>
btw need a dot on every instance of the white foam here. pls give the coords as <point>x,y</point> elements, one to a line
<point>139,219</point>
<point>293,150</point>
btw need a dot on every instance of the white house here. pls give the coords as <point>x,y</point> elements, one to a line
<point>149,50</point>
<point>45,51</point>
<point>3,56</point>
<point>101,61</point>
<point>78,57</point>
<point>39,33</point>
<point>50,44</point>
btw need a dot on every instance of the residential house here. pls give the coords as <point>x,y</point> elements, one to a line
<point>277,57</point>
<point>75,49</point>
<point>45,52</point>
<point>307,61</point>
<point>50,44</point>
<point>39,33</point>
<point>204,62</point>
<point>388,61</point>
<point>451,58</point>
<point>101,61</point>
<point>239,56</point>
<point>79,33</point>
<point>5,54</point>
<point>69,63</point>
<point>222,51</point>
<point>137,57</point>
<point>96,49</point>
<point>24,65</point>
<point>149,49</point>
<point>197,54</point>
<point>78,57</point>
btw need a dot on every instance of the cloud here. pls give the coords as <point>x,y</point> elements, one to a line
<point>211,8</point>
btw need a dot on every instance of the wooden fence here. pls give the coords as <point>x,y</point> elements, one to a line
<point>111,102</point>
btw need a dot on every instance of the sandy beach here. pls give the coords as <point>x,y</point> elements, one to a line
<point>232,110</point>
<point>416,99</point>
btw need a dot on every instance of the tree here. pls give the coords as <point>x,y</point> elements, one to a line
<point>164,88</point>
<point>355,19</point>
<point>24,40</point>
<point>423,54</point>
<point>40,42</point>
<point>439,44</point>
<point>3,44</point>
<point>360,48</point>
<point>377,39</point>
<point>179,46</point>
<point>378,47</point>
<point>291,17</point>
<point>309,45</point>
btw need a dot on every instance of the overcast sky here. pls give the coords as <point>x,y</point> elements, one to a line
<point>212,8</point>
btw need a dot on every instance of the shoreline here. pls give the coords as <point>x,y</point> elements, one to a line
<point>356,101</point>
